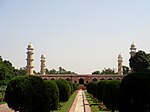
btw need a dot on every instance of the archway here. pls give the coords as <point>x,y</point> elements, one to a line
<point>102,79</point>
<point>95,80</point>
<point>81,81</point>
<point>67,79</point>
<point>52,79</point>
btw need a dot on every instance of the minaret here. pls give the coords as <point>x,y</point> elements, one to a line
<point>43,65</point>
<point>120,68</point>
<point>30,59</point>
<point>133,50</point>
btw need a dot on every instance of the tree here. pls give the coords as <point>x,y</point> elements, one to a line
<point>53,94</point>
<point>134,93</point>
<point>110,96</point>
<point>27,94</point>
<point>100,89</point>
<point>140,62</point>
<point>96,72</point>
<point>125,70</point>
<point>64,90</point>
<point>108,71</point>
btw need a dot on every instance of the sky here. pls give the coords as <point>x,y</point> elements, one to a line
<point>79,35</point>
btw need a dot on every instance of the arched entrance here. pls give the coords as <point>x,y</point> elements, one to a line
<point>95,80</point>
<point>81,81</point>
<point>68,79</point>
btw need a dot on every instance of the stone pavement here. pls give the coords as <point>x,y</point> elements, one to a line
<point>80,103</point>
<point>5,108</point>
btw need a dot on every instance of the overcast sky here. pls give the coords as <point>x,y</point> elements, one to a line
<point>79,35</point>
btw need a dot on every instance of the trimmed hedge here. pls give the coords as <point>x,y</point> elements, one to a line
<point>64,90</point>
<point>27,94</point>
<point>53,94</point>
<point>106,92</point>
<point>110,96</point>
<point>100,89</point>
<point>134,93</point>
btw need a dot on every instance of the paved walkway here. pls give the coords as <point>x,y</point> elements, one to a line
<point>5,108</point>
<point>80,103</point>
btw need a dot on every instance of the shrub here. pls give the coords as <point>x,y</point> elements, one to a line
<point>64,90</point>
<point>134,93</point>
<point>27,94</point>
<point>110,96</point>
<point>100,89</point>
<point>71,86</point>
<point>75,86</point>
<point>53,93</point>
<point>91,88</point>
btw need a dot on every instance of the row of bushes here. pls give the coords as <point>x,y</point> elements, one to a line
<point>32,94</point>
<point>132,94</point>
<point>105,91</point>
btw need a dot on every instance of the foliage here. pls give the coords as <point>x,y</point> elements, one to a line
<point>134,93</point>
<point>108,71</point>
<point>91,87</point>
<point>100,89</point>
<point>110,97</point>
<point>53,94</point>
<point>96,72</point>
<point>105,71</point>
<point>64,90</point>
<point>60,71</point>
<point>71,86</point>
<point>140,62</point>
<point>7,71</point>
<point>125,70</point>
<point>65,106</point>
<point>27,94</point>
<point>75,86</point>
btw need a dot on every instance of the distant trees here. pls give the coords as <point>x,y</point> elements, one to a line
<point>105,71</point>
<point>60,71</point>
<point>7,71</point>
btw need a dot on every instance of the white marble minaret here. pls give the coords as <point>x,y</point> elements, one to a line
<point>132,50</point>
<point>120,67</point>
<point>30,60</point>
<point>43,65</point>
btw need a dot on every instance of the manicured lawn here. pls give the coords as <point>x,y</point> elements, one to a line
<point>65,106</point>
<point>94,106</point>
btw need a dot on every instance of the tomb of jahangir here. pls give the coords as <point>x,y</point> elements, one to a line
<point>74,78</point>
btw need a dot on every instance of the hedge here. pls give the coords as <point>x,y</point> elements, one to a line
<point>27,94</point>
<point>53,94</point>
<point>64,90</point>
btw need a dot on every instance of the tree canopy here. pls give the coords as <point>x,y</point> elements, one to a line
<point>140,62</point>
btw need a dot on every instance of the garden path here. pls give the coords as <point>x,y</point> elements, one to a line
<point>80,103</point>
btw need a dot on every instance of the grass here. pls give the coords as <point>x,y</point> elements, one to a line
<point>65,106</point>
<point>94,106</point>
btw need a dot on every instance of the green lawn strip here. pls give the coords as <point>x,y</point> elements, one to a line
<point>65,106</point>
<point>94,106</point>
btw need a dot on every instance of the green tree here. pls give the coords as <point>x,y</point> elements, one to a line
<point>110,96</point>
<point>53,94</point>
<point>134,93</point>
<point>64,90</point>
<point>27,94</point>
<point>125,70</point>
<point>96,72</point>
<point>100,89</point>
<point>140,62</point>
<point>108,71</point>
